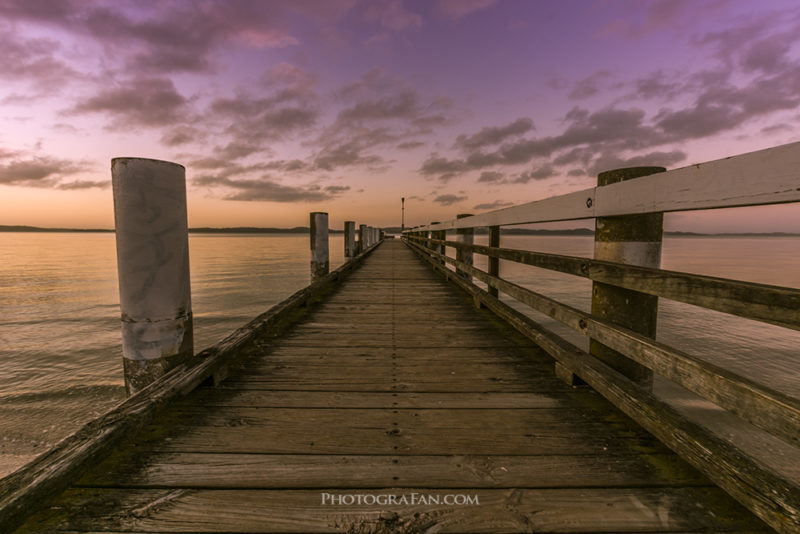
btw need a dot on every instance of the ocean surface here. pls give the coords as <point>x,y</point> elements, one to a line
<point>60,333</point>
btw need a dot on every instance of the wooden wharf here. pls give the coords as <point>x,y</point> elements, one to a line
<point>395,384</point>
<point>394,394</point>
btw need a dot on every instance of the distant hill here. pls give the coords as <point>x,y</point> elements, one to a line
<point>204,230</point>
<point>37,229</point>
<point>394,230</point>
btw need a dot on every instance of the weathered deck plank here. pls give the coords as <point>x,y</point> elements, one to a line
<point>150,468</point>
<point>395,385</point>
<point>499,511</point>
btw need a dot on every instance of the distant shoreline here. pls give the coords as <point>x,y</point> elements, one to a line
<point>581,232</point>
<point>203,230</point>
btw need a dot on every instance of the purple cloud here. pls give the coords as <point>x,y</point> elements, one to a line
<point>589,86</point>
<point>410,145</point>
<point>391,14</point>
<point>449,199</point>
<point>493,135</point>
<point>268,190</point>
<point>456,9</point>
<point>492,205</point>
<point>182,135</point>
<point>20,169</point>
<point>492,177</point>
<point>33,61</point>
<point>148,102</point>
<point>542,173</point>
<point>379,111</point>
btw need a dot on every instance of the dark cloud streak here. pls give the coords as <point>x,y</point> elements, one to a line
<point>493,135</point>
<point>269,190</point>
<point>492,205</point>
<point>143,101</point>
<point>20,169</point>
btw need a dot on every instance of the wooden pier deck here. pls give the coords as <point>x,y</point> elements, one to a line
<point>396,385</point>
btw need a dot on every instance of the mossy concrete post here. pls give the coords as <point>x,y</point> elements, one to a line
<point>466,236</point>
<point>320,256</point>
<point>153,267</point>
<point>350,250</point>
<point>633,240</point>
<point>494,263</point>
<point>362,237</point>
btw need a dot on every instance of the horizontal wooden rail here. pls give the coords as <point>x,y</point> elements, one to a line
<point>772,497</point>
<point>31,487</point>
<point>770,176</point>
<point>770,410</point>
<point>770,304</point>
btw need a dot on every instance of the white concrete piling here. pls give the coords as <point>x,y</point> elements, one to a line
<point>153,267</point>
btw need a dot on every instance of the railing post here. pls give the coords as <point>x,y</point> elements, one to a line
<point>442,249</point>
<point>467,236</point>
<point>320,258</point>
<point>494,263</point>
<point>153,267</point>
<point>362,238</point>
<point>635,240</point>
<point>349,239</point>
<point>431,234</point>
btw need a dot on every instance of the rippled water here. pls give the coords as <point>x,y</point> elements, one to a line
<point>60,334</point>
<point>60,338</point>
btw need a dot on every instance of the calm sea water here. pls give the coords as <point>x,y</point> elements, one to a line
<point>60,334</point>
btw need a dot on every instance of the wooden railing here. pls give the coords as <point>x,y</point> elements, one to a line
<point>628,206</point>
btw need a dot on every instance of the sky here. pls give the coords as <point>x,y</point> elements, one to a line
<point>280,108</point>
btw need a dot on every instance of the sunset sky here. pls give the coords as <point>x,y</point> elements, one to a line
<point>279,108</point>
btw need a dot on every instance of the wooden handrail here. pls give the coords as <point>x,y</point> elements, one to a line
<point>766,303</point>
<point>628,205</point>
<point>769,176</point>
<point>770,410</point>
<point>772,497</point>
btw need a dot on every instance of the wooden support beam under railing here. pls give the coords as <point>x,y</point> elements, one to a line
<point>761,302</point>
